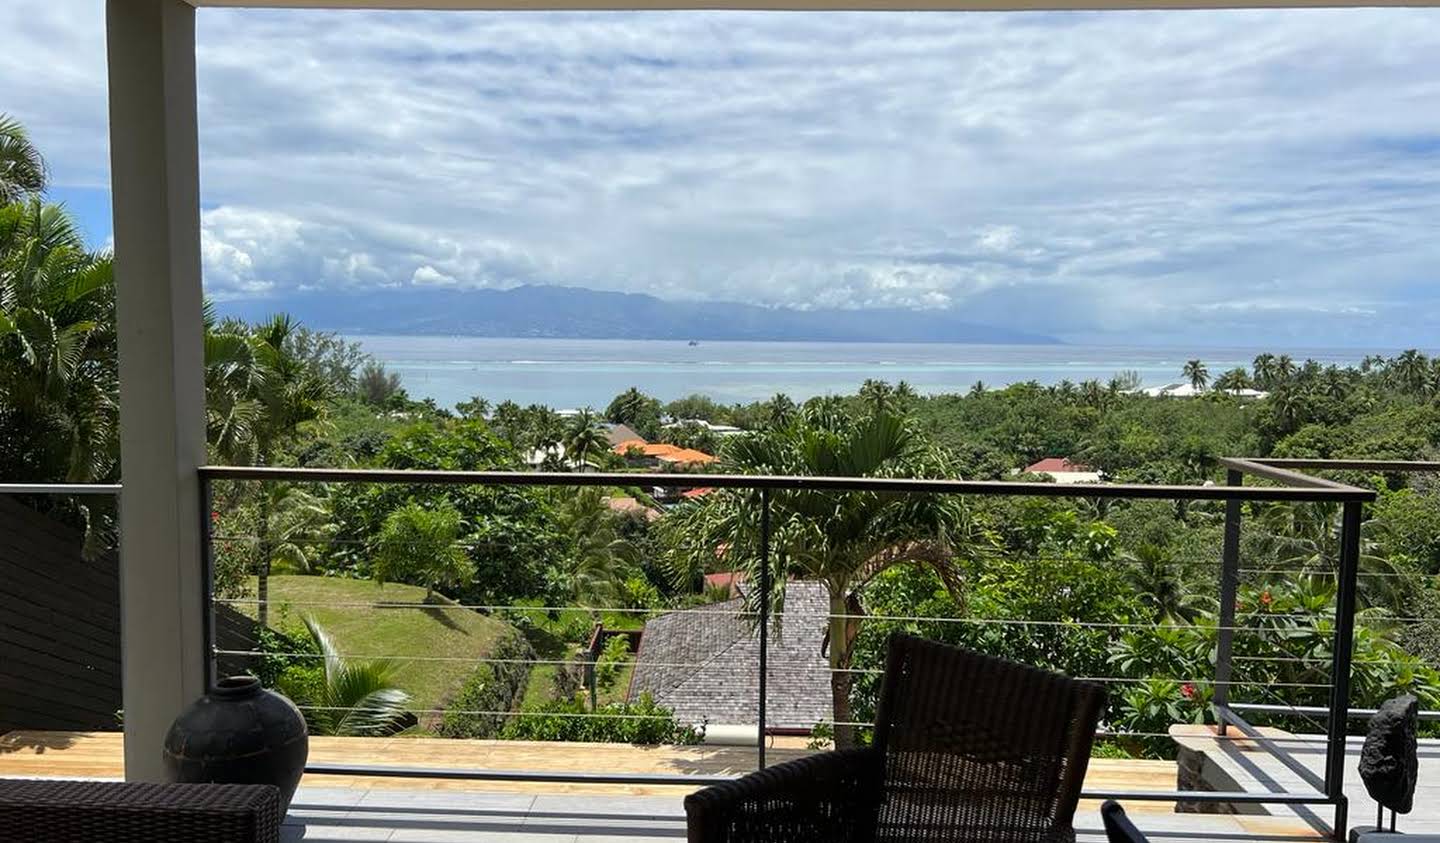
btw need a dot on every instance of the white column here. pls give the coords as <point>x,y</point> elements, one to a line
<point>154,168</point>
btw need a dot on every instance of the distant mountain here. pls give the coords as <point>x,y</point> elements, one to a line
<point>578,313</point>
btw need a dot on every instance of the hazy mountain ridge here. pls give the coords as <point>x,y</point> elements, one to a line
<point>579,313</point>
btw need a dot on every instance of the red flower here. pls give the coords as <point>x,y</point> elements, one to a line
<point>1187,691</point>
<point>215,516</point>
<point>1265,598</point>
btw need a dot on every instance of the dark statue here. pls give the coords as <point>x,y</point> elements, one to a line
<point>1389,762</point>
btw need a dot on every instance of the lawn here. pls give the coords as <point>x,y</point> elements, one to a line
<point>361,628</point>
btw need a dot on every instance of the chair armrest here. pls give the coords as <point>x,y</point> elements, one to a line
<point>826,798</point>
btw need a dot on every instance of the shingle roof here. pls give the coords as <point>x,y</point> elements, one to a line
<point>703,663</point>
<point>618,433</point>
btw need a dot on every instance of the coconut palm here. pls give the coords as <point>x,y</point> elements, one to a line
<point>1197,374</point>
<point>1158,581</point>
<point>1233,381</point>
<point>781,409</point>
<point>1410,371</point>
<point>584,440</point>
<point>355,697</point>
<point>22,169</point>
<point>1305,539</point>
<point>842,539</point>
<point>1264,368</point>
<point>601,558</point>
<point>259,395</point>
<point>421,546</point>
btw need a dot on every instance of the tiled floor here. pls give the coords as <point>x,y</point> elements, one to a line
<point>326,815</point>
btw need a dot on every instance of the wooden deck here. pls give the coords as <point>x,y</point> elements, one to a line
<point>330,807</point>
<point>99,755</point>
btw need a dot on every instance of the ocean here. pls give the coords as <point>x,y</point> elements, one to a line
<point>568,374</point>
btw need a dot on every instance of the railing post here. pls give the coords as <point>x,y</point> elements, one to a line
<point>207,584</point>
<point>1229,590</point>
<point>764,621</point>
<point>1350,519</point>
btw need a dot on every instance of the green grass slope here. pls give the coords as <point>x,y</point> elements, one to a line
<point>348,611</point>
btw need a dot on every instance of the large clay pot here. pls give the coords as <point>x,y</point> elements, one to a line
<point>239,733</point>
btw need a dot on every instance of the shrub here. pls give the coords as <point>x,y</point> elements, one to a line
<point>641,722</point>
<point>614,654</point>
<point>493,687</point>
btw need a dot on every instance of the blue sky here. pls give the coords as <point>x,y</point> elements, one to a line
<point>1220,178</point>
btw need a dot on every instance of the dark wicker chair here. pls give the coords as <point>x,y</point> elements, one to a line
<point>967,748</point>
<point>58,811</point>
<point>1118,828</point>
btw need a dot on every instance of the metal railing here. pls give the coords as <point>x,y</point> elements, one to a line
<point>1284,484</point>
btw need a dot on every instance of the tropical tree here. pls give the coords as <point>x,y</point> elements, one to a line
<point>376,385</point>
<point>1305,541</point>
<point>1197,374</point>
<point>477,407</point>
<point>58,369</point>
<point>637,410</point>
<point>1265,371</point>
<point>1410,371</point>
<point>584,440</point>
<point>601,558</point>
<point>352,697</point>
<point>1234,380</point>
<point>22,169</point>
<point>259,395</point>
<point>1159,582</point>
<point>421,546</point>
<point>842,539</point>
<point>780,409</point>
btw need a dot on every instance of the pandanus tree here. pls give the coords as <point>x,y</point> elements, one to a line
<point>842,539</point>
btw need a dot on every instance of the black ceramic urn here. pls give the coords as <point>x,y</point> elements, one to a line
<point>239,733</point>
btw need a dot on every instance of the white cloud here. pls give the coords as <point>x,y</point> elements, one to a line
<point>1211,176</point>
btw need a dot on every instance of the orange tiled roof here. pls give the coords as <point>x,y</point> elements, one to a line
<point>696,493</point>
<point>657,449</point>
<point>686,455</point>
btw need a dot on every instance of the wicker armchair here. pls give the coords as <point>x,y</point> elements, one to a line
<point>967,748</point>
<point>58,811</point>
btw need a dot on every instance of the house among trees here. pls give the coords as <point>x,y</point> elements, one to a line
<point>1062,470</point>
<point>704,663</point>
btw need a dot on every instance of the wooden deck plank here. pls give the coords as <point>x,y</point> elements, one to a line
<point>99,755</point>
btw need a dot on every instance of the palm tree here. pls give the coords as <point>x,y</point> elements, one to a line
<point>1233,381</point>
<point>1305,539</point>
<point>258,396</point>
<point>59,374</point>
<point>58,371</point>
<point>781,410</point>
<point>1264,368</point>
<point>584,439</point>
<point>1285,368</point>
<point>421,545</point>
<point>1410,371</point>
<point>878,396</point>
<point>1197,374</point>
<point>842,539</point>
<point>601,557</point>
<point>298,523</point>
<point>356,697</point>
<point>1160,585</point>
<point>22,169</point>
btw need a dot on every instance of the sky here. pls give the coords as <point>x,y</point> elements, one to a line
<point>1247,177</point>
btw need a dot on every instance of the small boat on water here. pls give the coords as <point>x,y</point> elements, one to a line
<point>693,343</point>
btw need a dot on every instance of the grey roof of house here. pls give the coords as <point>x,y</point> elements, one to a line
<point>703,663</point>
<point>617,433</point>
